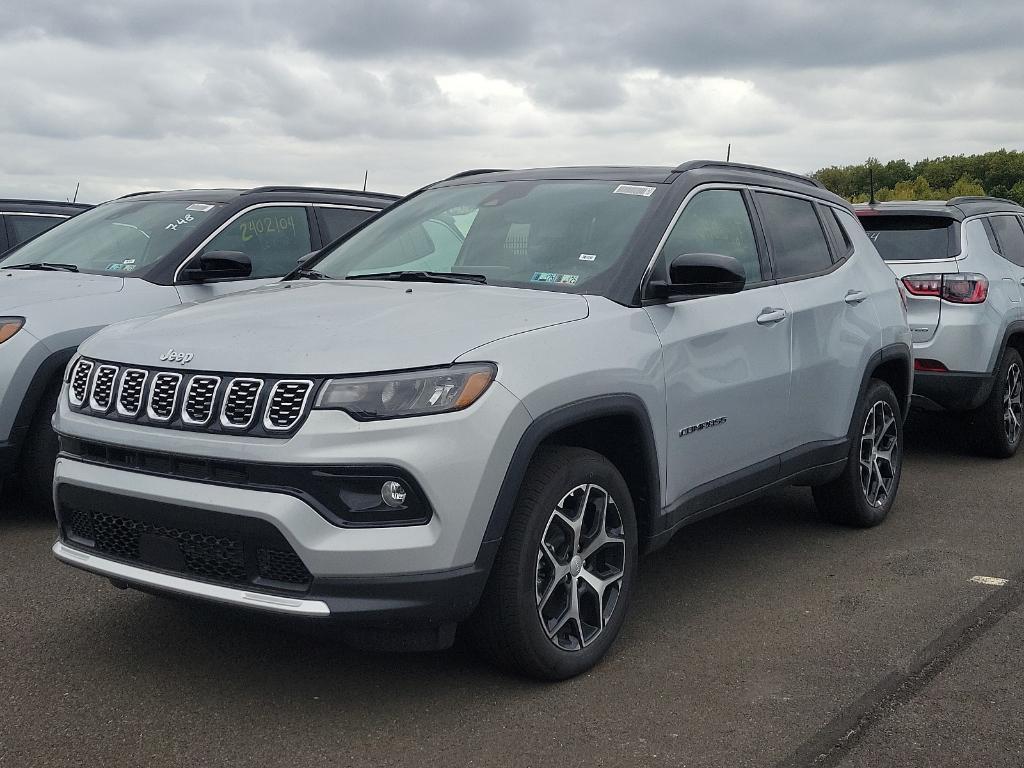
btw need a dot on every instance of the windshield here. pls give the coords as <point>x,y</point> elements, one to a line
<point>909,238</point>
<point>122,237</point>
<point>558,235</point>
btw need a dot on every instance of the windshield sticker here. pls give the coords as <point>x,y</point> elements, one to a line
<point>186,219</point>
<point>588,257</point>
<point>554,277</point>
<point>128,261</point>
<point>633,189</point>
<point>116,267</point>
<point>201,207</point>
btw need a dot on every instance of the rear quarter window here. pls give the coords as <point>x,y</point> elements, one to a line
<point>911,238</point>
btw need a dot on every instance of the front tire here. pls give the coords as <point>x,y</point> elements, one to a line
<point>866,490</point>
<point>40,452</point>
<point>1000,419</point>
<point>561,584</point>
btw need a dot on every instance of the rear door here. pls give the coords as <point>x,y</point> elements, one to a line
<point>273,235</point>
<point>727,359</point>
<point>835,329</point>
<point>1009,243</point>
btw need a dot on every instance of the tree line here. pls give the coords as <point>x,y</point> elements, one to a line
<point>999,174</point>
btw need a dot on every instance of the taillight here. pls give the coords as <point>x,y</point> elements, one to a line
<point>932,366</point>
<point>961,288</point>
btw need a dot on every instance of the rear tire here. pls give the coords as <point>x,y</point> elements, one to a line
<point>1000,420</point>
<point>561,584</point>
<point>40,452</point>
<point>866,490</point>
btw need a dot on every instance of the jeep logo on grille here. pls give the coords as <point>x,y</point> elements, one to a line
<point>170,356</point>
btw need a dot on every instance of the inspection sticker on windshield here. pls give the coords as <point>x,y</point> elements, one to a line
<point>203,207</point>
<point>633,189</point>
<point>554,277</point>
<point>588,257</point>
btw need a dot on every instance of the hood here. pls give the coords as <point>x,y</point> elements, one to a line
<point>22,288</point>
<point>334,327</point>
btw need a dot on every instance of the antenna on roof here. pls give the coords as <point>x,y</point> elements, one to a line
<point>728,152</point>
<point>75,198</point>
<point>366,176</point>
<point>871,185</point>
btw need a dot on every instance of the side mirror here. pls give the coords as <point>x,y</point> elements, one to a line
<point>217,265</point>
<point>702,274</point>
<point>307,257</point>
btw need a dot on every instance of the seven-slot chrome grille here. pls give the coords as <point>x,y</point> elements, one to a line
<point>251,405</point>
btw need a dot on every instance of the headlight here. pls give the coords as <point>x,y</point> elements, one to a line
<point>411,393</point>
<point>10,326</point>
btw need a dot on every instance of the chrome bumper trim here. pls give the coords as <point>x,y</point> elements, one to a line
<point>229,595</point>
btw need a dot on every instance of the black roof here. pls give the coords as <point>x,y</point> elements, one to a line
<point>957,208</point>
<point>299,194</point>
<point>708,170</point>
<point>57,207</point>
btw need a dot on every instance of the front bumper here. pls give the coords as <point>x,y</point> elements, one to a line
<point>952,391</point>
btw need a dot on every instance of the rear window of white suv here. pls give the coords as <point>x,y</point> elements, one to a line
<point>910,238</point>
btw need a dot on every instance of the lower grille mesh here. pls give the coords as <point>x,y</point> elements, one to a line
<point>210,556</point>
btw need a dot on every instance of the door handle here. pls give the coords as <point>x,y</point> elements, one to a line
<point>1022,281</point>
<point>771,315</point>
<point>854,297</point>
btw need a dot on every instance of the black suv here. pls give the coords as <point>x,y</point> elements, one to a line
<point>21,220</point>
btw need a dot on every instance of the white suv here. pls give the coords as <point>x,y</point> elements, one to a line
<point>962,265</point>
<point>483,405</point>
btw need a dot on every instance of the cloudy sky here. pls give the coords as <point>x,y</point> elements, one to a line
<point>153,94</point>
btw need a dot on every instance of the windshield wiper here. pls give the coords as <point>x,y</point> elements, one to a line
<point>310,274</point>
<point>411,276</point>
<point>46,266</point>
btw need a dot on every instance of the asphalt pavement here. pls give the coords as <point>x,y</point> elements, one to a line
<point>762,637</point>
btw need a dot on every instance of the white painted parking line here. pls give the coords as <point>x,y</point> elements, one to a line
<point>991,581</point>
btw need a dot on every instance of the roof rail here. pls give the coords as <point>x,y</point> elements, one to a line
<point>144,192</point>
<point>325,190</point>
<point>694,164</point>
<point>30,201</point>
<point>980,199</point>
<point>474,172</point>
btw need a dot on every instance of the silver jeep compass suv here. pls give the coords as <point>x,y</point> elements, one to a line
<point>962,266</point>
<point>484,405</point>
<point>129,257</point>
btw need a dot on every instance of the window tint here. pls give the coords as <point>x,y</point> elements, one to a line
<point>338,221</point>
<point>274,237</point>
<point>22,228</point>
<point>1010,237</point>
<point>715,221</point>
<point>840,240</point>
<point>910,238</point>
<point>794,232</point>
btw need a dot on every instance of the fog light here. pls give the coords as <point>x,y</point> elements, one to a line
<point>393,493</point>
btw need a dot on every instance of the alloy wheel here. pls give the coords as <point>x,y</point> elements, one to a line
<point>581,562</point>
<point>1012,407</point>
<point>879,454</point>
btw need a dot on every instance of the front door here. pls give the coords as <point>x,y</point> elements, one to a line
<point>727,361</point>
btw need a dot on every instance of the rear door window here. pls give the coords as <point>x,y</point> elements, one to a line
<point>797,241</point>
<point>1010,238</point>
<point>911,238</point>
<point>335,222</point>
